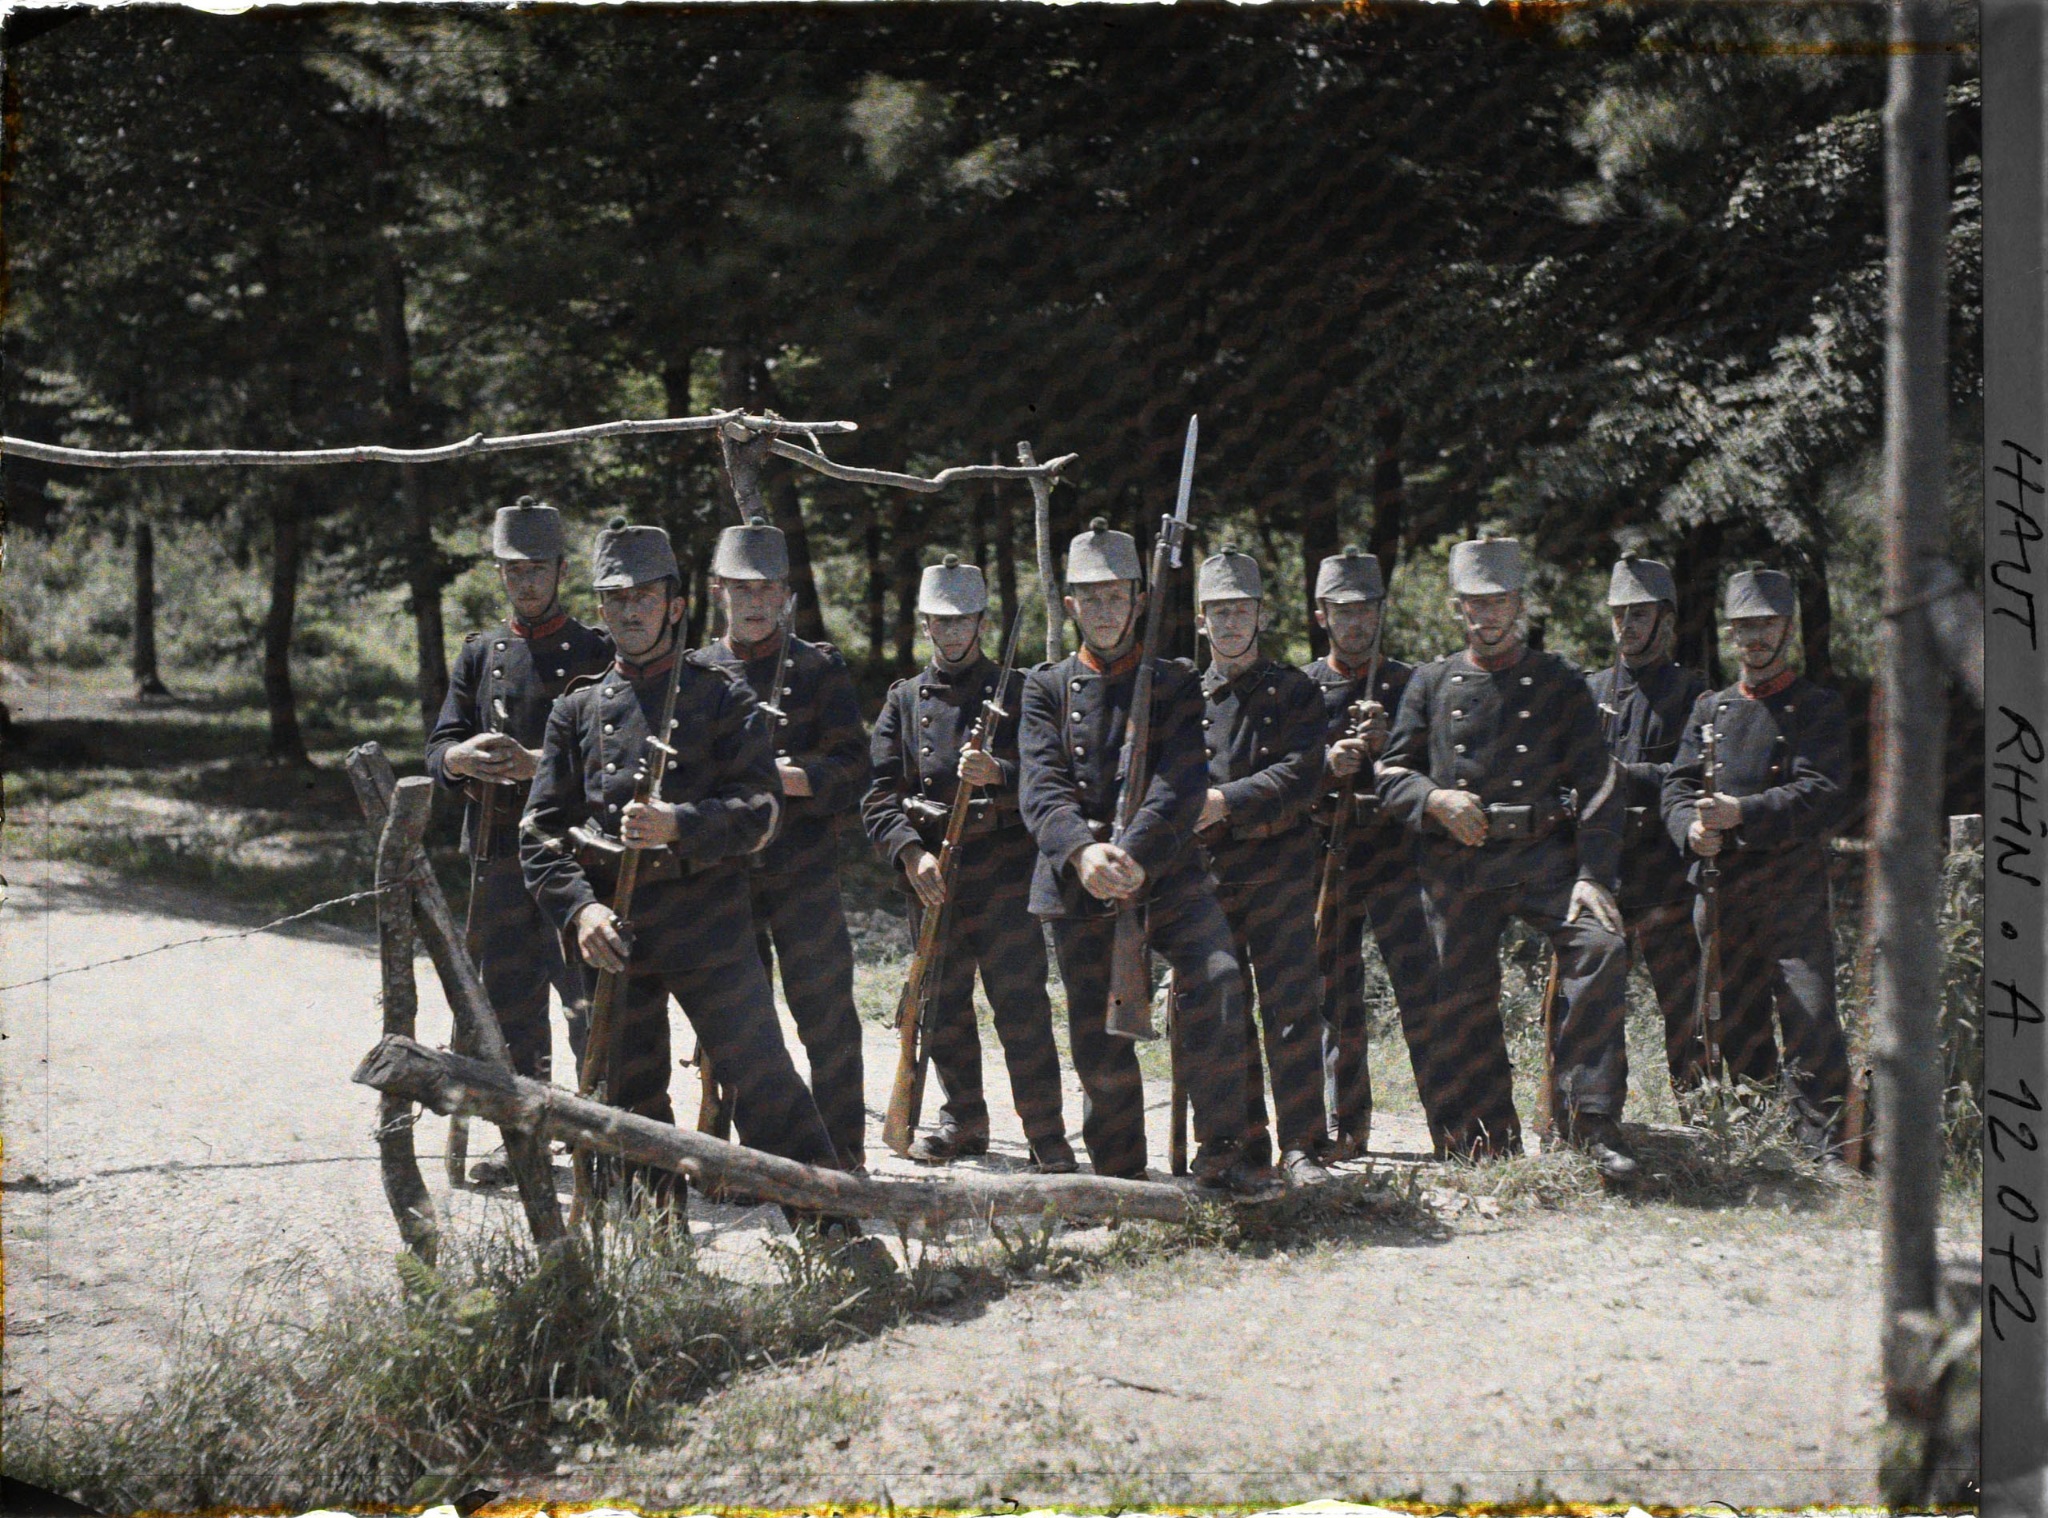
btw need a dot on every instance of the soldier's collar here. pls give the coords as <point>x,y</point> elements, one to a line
<point>1122,665</point>
<point>640,674</point>
<point>1493,664</point>
<point>747,653</point>
<point>1339,667</point>
<point>543,629</point>
<point>1213,677</point>
<point>960,674</point>
<point>1770,687</point>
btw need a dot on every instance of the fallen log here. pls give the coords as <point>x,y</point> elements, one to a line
<point>525,1153</point>
<point>450,1083</point>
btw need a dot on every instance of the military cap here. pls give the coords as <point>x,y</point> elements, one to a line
<point>1486,567</point>
<point>527,530</point>
<point>952,589</point>
<point>1350,576</point>
<point>624,556</point>
<point>753,552</point>
<point>1637,580</point>
<point>1229,576</point>
<point>1099,554</point>
<point>1761,593</point>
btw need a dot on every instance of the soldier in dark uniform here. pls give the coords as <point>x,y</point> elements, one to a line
<point>918,766</point>
<point>1075,715</point>
<point>821,753</point>
<point>1488,751</point>
<point>1264,737</point>
<point>692,931</point>
<point>1379,885</point>
<point>1782,755</point>
<point>1645,697</point>
<point>505,681</point>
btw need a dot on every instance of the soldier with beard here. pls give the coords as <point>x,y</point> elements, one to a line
<point>1645,697</point>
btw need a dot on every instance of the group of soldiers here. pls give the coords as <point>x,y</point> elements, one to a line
<point>1498,781</point>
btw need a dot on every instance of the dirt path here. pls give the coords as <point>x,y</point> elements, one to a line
<point>172,1122</point>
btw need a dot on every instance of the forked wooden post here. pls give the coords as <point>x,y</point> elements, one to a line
<point>400,1165</point>
<point>525,1152</point>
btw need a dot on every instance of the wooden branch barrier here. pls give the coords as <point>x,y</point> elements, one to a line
<point>450,1083</point>
<point>526,1153</point>
<point>399,1163</point>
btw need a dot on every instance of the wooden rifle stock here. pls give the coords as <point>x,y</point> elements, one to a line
<point>1329,890</point>
<point>596,1078</point>
<point>913,1057</point>
<point>456,1159</point>
<point>1710,916</point>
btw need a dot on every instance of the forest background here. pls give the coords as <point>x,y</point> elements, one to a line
<point>1602,277</point>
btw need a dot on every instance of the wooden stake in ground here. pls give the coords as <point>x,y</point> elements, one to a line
<point>526,1153</point>
<point>450,1083</point>
<point>400,1166</point>
<point>1048,582</point>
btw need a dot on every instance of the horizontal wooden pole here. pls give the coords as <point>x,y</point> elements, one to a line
<point>450,1083</point>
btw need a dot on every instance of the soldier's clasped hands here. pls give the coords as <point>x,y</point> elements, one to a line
<point>1703,840</point>
<point>1722,813</point>
<point>495,757</point>
<point>1108,873</point>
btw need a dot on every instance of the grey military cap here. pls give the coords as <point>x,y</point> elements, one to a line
<point>1350,576</point>
<point>1761,593</point>
<point>1229,576</point>
<point>1100,554</point>
<point>528,530</point>
<point>624,556</point>
<point>952,589</point>
<point>756,551</point>
<point>1637,580</point>
<point>1486,567</point>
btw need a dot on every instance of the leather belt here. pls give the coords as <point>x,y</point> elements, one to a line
<point>1509,822</point>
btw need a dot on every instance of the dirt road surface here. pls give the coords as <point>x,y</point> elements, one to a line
<point>174,1121</point>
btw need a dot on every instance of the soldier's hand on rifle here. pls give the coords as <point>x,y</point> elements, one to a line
<point>598,938</point>
<point>1108,873</point>
<point>1703,840</point>
<point>978,768</point>
<point>1722,813</point>
<point>1346,757</point>
<point>1593,900</point>
<point>922,866</point>
<point>1215,811</point>
<point>1379,727</point>
<point>648,824</point>
<point>493,757</point>
<point>795,782</point>
<point>1459,814</point>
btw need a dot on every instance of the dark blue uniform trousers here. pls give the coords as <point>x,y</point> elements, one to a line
<point>522,958</point>
<point>1387,898</point>
<point>800,926</point>
<point>1273,931</point>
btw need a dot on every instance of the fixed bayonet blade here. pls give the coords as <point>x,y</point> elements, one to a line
<point>1187,486</point>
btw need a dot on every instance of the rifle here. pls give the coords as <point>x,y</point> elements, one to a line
<point>1129,1014</point>
<point>1329,889</point>
<point>1547,1096</point>
<point>714,1104</point>
<point>913,1056</point>
<point>1177,1135</point>
<point>1710,903</point>
<point>596,1079</point>
<point>457,1157</point>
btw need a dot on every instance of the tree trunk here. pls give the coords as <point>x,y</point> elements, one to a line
<point>287,528</point>
<point>906,599</point>
<point>878,581</point>
<point>1319,537</point>
<point>744,380</point>
<point>1816,618</point>
<point>1389,494</point>
<point>423,575</point>
<point>1906,816</point>
<point>1697,571</point>
<point>148,682</point>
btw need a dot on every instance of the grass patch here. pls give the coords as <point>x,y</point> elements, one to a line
<point>404,1392</point>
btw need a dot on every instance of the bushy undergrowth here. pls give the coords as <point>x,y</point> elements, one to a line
<point>403,1391</point>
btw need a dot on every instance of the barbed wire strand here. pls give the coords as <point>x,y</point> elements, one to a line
<point>186,943</point>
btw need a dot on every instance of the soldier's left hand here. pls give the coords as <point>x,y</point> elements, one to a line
<point>648,824</point>
<point>1379,727</point>
<point>978,768</point>
<point>522,763</point>
<point>1346,757</point>
<point>795,782</point>
<point>1214,810</point>
<point>1595,901</point>
<point>1721,813</point>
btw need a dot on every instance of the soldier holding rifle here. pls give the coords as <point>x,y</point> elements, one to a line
<point>1076,714</point>
<point>486,742</point>
<point>1496,761</point>
<point>1782,751</point>
<point>1264,738</point>
<point>821,755</point>
<point>1645,697</point>
<point>691,934</point>
<point>1372,879</point>
<point>922,758</point>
